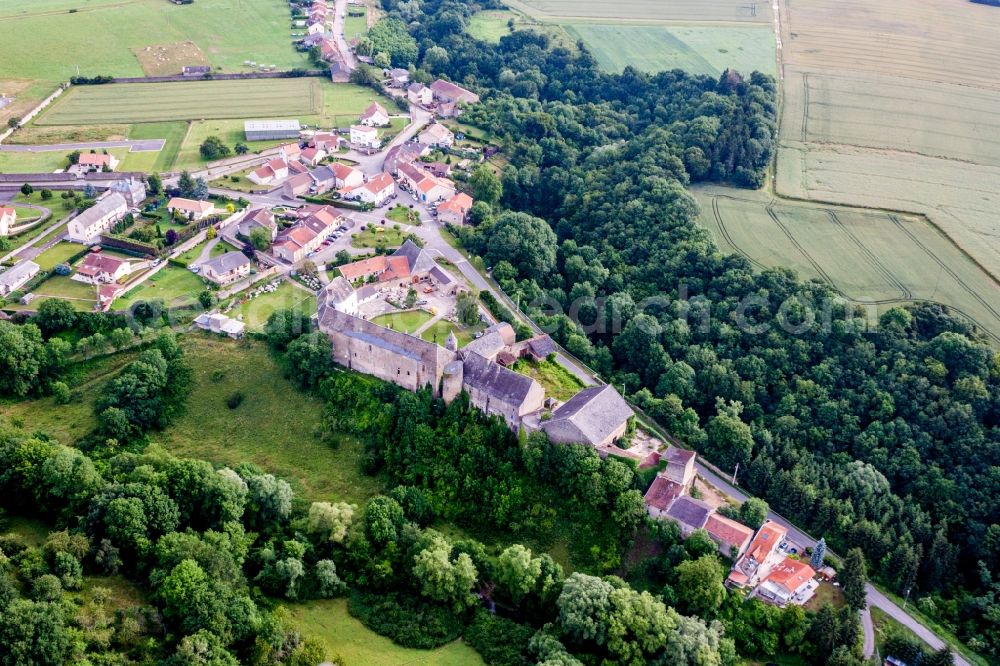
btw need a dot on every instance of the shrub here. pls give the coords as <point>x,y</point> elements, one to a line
<point>409,622</point>
<point>235,400</point>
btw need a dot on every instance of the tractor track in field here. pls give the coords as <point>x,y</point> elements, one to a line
<point>875,261</point>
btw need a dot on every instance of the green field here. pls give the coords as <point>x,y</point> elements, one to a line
<point>255,312</point>
<point>491,25</point>
<point>185,100</point>
<point>99,35</point>
<point>49,160</point>
<point>646,11</point>
<point>329,622</point>
<point>407,322</point>
<point>275,427</point>
<point>173,285</point>
<point>875,259</point>
<point>356,27</point>
<point>696,49</point>
<point>172,133</point>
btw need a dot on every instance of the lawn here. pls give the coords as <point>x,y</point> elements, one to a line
<point>342,103</point>
<point>697,49</point>
<point>228,129</point>
<point>57,254</point>
<point>99,35</point>
<point>82,296</point>
<point>173,285</point>
<point>439,331</point>
<point>171,132</point>
<point>188,256</point>
<point>185,100</point>
<point>407,321</point>
<point>275,427</point>
<point>826,593</point>
<point>490,25</point>
<point>242,183</point>
<point>329,622</point>
<point>404,215</point>
<point>356,24</point>
<point>255,312</point>
<point>43,162</point>
<point>378,235</point>
<point>555,379</point>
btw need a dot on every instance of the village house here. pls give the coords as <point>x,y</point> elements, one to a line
<point>365,137</point>
<point>342,295</point>
<point>495,339</point>
<point>439,169</point>
<point>316,26</point>
<point>8,219</point>
<point>257,218</point>
<point>217,322</point>
<point>226,268</point>
<point>689,513</point>
<point>660,495</point>
<point>191,209</point>
<point>327,141</point>
<point>374,116</point>
<point>290,151</point>
<point>297,186</point>
<point>272,171</point>
<point>312,156</point>
<point>406,153</point>
<point>760,557</point>
<point>98,267</point>
<point>789,581</point>
<point>15,276</point>
<point>423,185</point>
<point>295,243</point>
<point>538,348</point>
<point>420,94</point>
<point>106,295</point>
<point>328,50</point>
<point>446,91</point>
<point>733,538</point>
<point>376,191</point>
<point>437,136</point>
<point>680,466</point>
<point>347,177</point>
<point>597,416</point>
<point>455,210</point>
<point>398,78</point>
<point>98,162</point>
<point>88,226</point>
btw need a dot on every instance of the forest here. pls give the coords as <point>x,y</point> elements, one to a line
<point>878,435</point>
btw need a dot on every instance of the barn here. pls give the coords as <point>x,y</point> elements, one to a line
<point>269,130</point>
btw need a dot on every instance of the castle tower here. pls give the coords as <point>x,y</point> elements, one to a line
<point>451,344</point>
<point>451,385</point>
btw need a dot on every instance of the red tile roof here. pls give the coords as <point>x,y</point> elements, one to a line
<point>662,493</point>
<point>363,268</point>
<point>728,531</point>
<point>379,183</point>
<point>767,539</point>
<point>94,159</point>
<point>460,203</point>
<point>96,264</point>
<point>790,574</point>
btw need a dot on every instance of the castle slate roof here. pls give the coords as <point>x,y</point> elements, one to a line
<point>589,417</point>
<point>689,511</point>
<point>493,340</point>
<point>495,380</point>
<point>338,291</point>
<point>395,342</point>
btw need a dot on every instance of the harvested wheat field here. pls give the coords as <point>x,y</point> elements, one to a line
<point>169,59</point>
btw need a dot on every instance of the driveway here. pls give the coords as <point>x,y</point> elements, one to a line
<point>137,146</point>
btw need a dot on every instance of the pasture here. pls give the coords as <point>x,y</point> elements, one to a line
<point>697,49</point>
<point>647,11</point>
<point>875,259</point>
<point>101,36</point>
<point>158,102</point>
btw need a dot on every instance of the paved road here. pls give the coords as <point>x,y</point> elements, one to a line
<point>339,18</point>
<point>868,648</point>
<point>138,146</point>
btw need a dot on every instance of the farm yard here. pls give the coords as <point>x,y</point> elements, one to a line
<point>156,102</point>
<point>872,258</point>
<point>696,49</point>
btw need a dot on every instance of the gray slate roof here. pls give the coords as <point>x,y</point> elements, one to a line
<point>13,275</point>
<point>589,417</point>
<point>405,345</point>
<point>495,380</point>
<point>492,341</point>
<point>324,174</point>
<point>689,511</point>
<point>227,262</point>
<point>338,291</point>
<point>102,207</point>
<point>420,261</point>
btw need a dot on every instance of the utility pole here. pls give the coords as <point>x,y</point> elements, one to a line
<point>906,598</point>
<point>735,472</point>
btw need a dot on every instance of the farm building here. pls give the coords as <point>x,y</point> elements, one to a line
<point>270,130</point>
<point>195,70</point>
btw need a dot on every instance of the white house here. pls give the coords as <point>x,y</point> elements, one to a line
<point>98,161</point>
<point>99,267</point>
<point>376,191</point>
<point>365,137</point>
<point>455,210</point>
<point>190,208</point>
<point>226,268</point>
<point>420,94</point>
<point>87,227</point>
<point>374,116</point>
<point>438,136</point>
<point>312,156</point>
<point>12,278</point>
<point>8,219</point>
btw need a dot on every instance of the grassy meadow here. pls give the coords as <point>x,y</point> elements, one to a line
<point>407,322</point>
<point>255,312</point>
<point>646,10</point>
<point>697,49</point>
